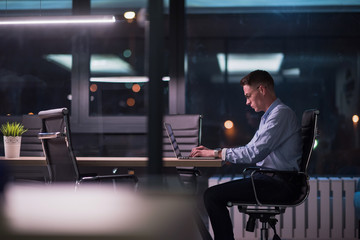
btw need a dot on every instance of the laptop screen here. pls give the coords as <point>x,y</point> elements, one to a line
<point>172,139</point>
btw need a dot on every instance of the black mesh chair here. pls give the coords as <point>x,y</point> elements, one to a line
<point>56,140</point>
<point>266,211</point>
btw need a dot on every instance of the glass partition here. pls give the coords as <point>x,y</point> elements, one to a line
<point>311,49</point>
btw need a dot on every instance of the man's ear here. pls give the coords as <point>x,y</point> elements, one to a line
<point>262,89</point>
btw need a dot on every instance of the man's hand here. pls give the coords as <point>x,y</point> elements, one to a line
<point>201,151</point>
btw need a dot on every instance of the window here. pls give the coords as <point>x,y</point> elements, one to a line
<point>30,80</point>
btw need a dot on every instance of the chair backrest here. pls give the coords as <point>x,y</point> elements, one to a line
<point>55,136</point>
<point>187,130</point>
<point>30,143</point>
<point>309,132</point>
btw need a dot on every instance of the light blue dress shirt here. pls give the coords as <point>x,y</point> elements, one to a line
<point>276,144</point>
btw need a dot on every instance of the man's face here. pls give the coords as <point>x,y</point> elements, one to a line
<point>254,98</point>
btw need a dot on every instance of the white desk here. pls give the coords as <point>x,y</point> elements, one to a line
<point>116,162</point>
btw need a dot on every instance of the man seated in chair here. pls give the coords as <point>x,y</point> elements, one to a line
<point>276,145</point>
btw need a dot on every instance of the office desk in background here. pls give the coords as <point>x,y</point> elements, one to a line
<point>115,162</point>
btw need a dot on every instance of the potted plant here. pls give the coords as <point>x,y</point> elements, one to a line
<point>12,138</point>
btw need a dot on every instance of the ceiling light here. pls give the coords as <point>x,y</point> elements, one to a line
<point>243,63</point>
<point>57,20</point>
<point>292,72</point>
<point>100,64</point>
<point>125,79</point>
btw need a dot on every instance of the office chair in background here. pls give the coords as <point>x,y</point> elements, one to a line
<point>55,136</point>
<point>187,129</point>
<point>266,211</point>
<point>30,143</point>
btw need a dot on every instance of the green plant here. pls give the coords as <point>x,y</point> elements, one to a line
<point>12,129</point>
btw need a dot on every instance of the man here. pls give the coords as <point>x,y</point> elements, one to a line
<point>276,144</point>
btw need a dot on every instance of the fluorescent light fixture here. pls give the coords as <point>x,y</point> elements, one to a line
<point>125,79</point>
<point>91,19</point>
<point>292,72</point>
<point>100,64</point>
<point>109,64</point>
<point>103,65</point>
<point>244,63</point>
<point>63,60</point>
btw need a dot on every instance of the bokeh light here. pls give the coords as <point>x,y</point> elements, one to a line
<point>130,102</point>
<point>127,53</point>
<point>228,124</point>
<point>136,88</point>
<point>355,118</point>
<point>93,87</point>
<point>129,15</point>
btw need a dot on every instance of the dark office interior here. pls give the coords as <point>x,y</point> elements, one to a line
<point>101,72</point>
<point>318,68</point>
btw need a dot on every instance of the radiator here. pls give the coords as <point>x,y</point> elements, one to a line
<point>328,213</point>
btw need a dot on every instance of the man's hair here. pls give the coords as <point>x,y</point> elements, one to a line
<point>258,77</point>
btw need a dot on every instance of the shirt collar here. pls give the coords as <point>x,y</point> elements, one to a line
<point>272,106</point>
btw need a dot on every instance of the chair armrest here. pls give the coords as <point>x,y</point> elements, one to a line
<point>50,135</point>
<point>259,169</point>
<point>276,172</point>
<point>256,169</point>
<point>248,169</point>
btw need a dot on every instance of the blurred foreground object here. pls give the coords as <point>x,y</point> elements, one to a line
<point>94,212</point>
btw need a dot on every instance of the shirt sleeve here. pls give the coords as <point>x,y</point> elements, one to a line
<point>223,154</point>
<point>269,136</point>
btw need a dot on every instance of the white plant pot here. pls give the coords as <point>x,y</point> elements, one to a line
<point>12,146</point>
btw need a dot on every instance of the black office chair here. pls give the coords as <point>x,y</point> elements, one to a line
<point>30,143</point>
<point>187,129</point>
<point>55,136</point>
<point>266,211</point>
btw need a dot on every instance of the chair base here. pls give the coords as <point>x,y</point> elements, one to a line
<point>265,215</point>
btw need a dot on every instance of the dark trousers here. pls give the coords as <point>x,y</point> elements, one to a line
<point>216,199</point>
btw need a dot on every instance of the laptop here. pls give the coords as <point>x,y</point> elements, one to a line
<point>175,145</point>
